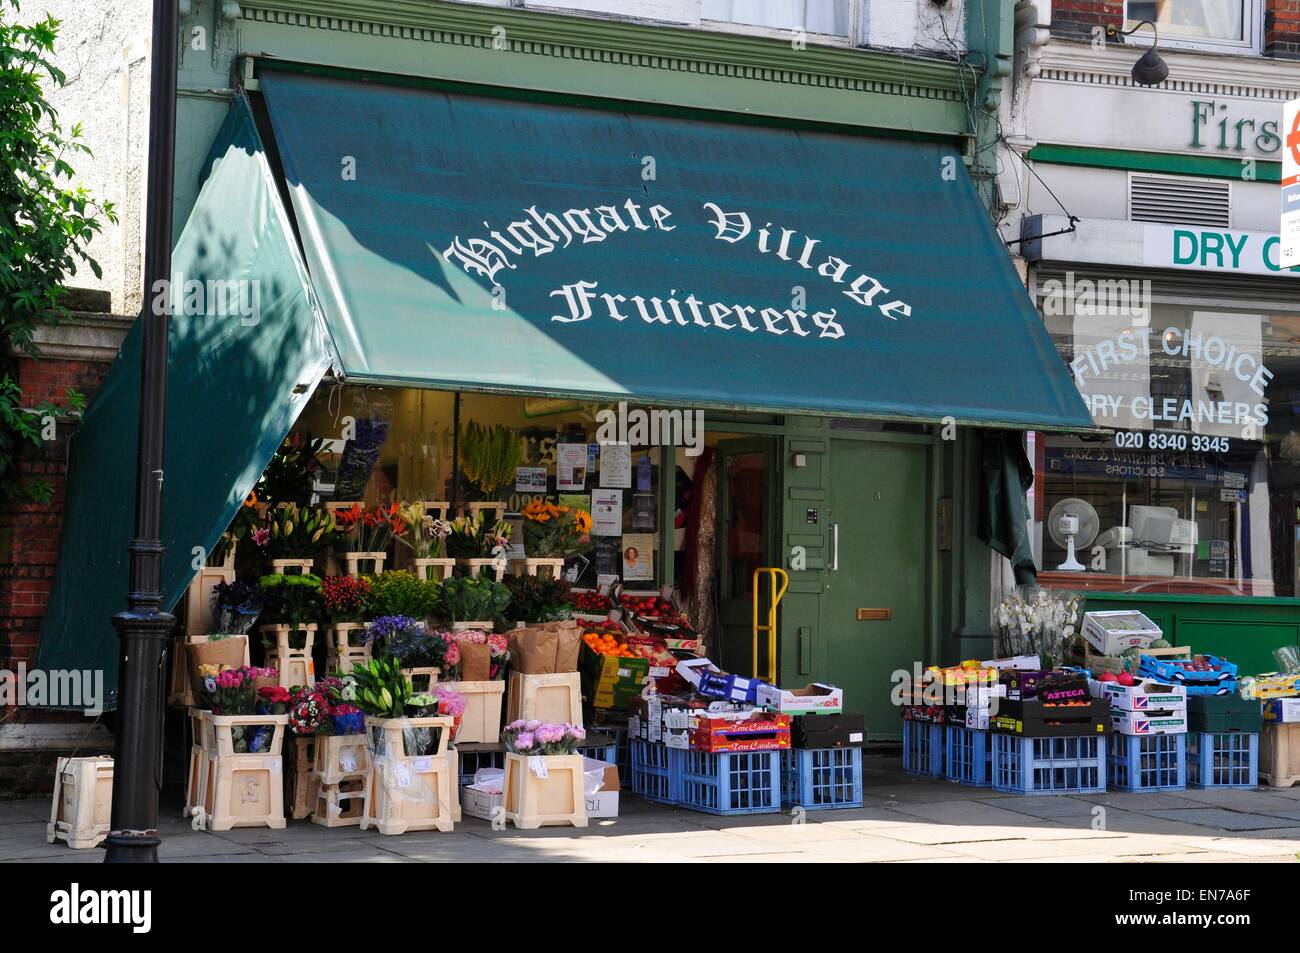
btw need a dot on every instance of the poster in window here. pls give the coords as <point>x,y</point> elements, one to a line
<point>638,557</point>
<point>616,465</point>
<point>571,466</point>
<point>606,512</point>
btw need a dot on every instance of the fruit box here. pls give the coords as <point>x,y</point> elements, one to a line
<point>817,698</point>
<point>609,681</point>
<point>480,804</point>
<point>848,730</point>
<point>711,682</point>
<point>1021,662</point>
<point>1282,710</point>
<point>1128,722</point>
<point>1276,685</point>
<point>1219,714</point>
<point>1112,632</point>
<point>1145,694</point>
<point>1034,719</point>
<point>932,714</point>
<point>1219,678</point>
<point>718,733</point>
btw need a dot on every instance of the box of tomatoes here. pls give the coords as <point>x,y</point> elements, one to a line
<point>615,665</point>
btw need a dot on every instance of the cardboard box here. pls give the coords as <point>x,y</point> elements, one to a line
<point>1034,719</point>
<point>711,682</point>
<point>609,681</point>
<point>604,803</point>
<point>740,731</point>
<point>1282,710</point>
<point>1276,685</point>
<point>1148,722</point>
<point>1145,695</point>
<point>480,804</point>
<point>817,698</point>
<point>1022,662</point>
<point>848,730</point>
<point>1112,632</point>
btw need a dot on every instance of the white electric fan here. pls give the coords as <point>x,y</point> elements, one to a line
<point>1072,522</point>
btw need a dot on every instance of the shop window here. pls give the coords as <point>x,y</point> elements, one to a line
<point>831,18</point>
<point>1194,485</point>
<point>1216,25</point>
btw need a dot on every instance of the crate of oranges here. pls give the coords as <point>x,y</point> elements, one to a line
<point>606,643</point>
<point>613,671</point>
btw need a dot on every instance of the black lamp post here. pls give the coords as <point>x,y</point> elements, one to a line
<point>144,627</point>
<point>1150,69</point>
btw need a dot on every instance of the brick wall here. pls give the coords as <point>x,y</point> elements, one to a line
<point>29,532</point>
<point>1076,19</point>
<point>1282,29</point>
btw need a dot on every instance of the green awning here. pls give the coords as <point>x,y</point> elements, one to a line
<point>470,241</point>
<point>240,369</point>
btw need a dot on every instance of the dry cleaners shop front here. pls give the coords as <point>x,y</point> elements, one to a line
<point>828,300</point>
<point>1185,343</point>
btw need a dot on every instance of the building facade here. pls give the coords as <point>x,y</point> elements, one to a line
<point>911,74</point>
<point>1150,219</point>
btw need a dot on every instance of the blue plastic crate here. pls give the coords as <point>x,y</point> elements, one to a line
<point>1196,683</point>
<point>968,756</point>
<point>600,752</point>
<point>922,748</point>
<point>1147,762</point>
<point>1223,759</point>
<point>654,775</point>
<point>1023,765</point>
<point>471,761</point>
<point>820,778</point>
<point>735,782</point>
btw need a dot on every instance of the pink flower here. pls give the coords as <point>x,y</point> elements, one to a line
<point>453,654</point>
<point>532,724</point>
<point>261,536</point>
<point>578,734</point>
<point>516,725</point>
<point>524,741</point>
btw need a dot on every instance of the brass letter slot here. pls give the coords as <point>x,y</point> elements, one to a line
<point>875,615</point>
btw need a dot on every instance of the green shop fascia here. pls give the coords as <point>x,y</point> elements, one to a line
<point>425,211</point>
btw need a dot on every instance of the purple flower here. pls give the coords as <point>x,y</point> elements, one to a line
<point>524,741</point>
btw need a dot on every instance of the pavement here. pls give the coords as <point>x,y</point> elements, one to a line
<point>904,820</point>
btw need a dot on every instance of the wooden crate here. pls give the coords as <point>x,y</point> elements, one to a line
<point>196,780</point>
<point>548,698</point>
<point>294,665</point>
<point>1279,755</point>
<point>339,757</point>
<point>243,790</point>
<point>558,798</point>
<point>435,568</point>
<point>481,722</point>
<point>300,783</point>
<point>408,792</point>
<point>341,804</point>
<point>179,692</point>
<point>546,568</point>
<point>292,566</point>
<point>343,648</point>
<point>83,801</point>
<point>416,676</point>
<point>363,564</point>
<point>198,617</point>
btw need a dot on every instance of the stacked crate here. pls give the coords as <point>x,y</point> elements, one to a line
<point>1148,746</point>
<point>1223,747</point>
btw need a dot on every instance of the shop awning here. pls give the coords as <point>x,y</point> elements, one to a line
<point>244,358</point>
<point>466,241</point>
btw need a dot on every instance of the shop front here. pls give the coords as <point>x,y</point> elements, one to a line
<point>735,346</point>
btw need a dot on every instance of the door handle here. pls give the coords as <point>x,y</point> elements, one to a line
<point>835,546</point>
<point>875,615</point>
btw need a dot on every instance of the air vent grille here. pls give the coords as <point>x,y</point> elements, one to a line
<point>1179,200</point>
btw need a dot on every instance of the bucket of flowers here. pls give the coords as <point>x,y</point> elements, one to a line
<point>483,658</point>
<point>291,536</point>
<point>552,532</point>
<point>346,600</point>
<point>364,533</point>
<point>293,606</point>
<point>426,537</point>
<point>543,783</point>
<point>479,545</point>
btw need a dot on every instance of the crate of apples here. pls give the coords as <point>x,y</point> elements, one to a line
<point>590,602</point>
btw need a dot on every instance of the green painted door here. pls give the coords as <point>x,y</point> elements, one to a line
<point>746,539</point>
<point>877,568</point>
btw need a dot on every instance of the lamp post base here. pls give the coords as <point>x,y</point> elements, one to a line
<point>132,847</point>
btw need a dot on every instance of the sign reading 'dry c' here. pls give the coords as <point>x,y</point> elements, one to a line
<point>540,233</point>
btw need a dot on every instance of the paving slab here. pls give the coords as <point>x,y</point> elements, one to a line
<point>869,849</point>
<point>1222,819</point>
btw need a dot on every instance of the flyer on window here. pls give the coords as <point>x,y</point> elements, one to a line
<point>616,465</point>
<point>606,512</point>
<point>530,479</point>
<point>570,466</point>
<point>638,557</point>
